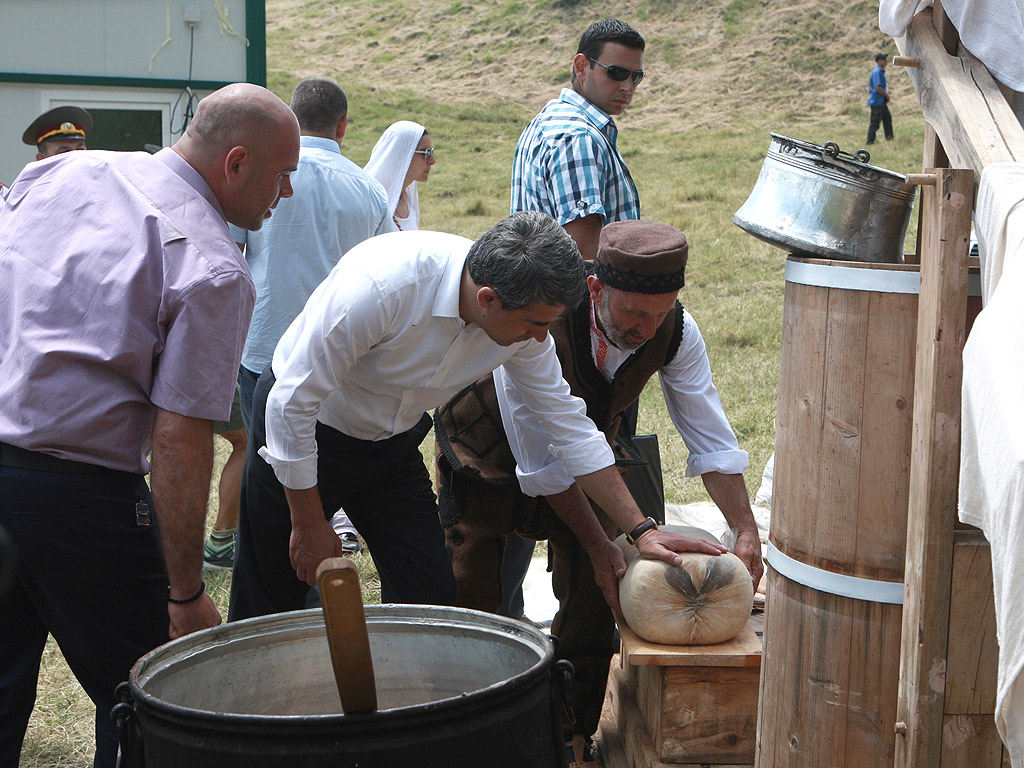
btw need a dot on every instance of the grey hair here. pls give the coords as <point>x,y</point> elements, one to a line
<point>529,259</point>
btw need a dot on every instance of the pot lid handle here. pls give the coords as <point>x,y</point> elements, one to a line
<point>857,163</point>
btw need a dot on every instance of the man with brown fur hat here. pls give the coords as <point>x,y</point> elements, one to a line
<point>629,327</point>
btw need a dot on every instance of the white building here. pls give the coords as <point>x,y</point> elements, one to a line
<point>138,66</point>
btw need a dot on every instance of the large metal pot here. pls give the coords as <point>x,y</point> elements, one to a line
<point>820,201</point>
<point>454,687</point>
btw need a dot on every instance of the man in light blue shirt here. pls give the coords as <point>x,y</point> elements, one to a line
<point>335,206</point>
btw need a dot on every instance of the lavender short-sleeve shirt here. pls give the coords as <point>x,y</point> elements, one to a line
<point>121,289</point>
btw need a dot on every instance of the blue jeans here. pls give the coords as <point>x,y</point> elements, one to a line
<point>89,575</point>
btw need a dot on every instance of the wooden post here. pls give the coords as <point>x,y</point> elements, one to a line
<point>935,456</point>
<point>934,157</point>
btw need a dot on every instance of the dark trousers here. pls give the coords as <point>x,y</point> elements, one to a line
<point>88,575</point>
<point>246,386</point>
<point>478,519</point>
<point>880,114</point>
<point>384,488</point>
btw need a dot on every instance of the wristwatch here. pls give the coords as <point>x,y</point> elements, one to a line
<point>648,524</point>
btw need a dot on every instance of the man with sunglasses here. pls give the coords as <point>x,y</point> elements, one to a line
<point>566,163</point>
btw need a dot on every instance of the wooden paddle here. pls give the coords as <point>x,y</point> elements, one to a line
<point>345,621</point>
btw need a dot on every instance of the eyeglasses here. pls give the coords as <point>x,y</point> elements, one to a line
<point>618,74</point>
<point>428,153</point>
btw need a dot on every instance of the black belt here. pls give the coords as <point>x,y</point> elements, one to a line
<point>18,458</point>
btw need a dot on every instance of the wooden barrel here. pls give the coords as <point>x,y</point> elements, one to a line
<point>839,515</point>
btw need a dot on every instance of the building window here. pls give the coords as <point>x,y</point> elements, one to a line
<point>126,130</point>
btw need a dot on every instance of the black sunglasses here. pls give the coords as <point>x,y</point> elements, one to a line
<point>618,74</point>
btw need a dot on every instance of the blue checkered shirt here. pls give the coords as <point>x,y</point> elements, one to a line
<point>567,166</point>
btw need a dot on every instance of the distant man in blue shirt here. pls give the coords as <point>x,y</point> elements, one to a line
<point>878,100</point>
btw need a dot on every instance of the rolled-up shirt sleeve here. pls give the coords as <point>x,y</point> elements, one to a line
<point>552,438</point>
<point>696,409</point>
<point>316,352</point>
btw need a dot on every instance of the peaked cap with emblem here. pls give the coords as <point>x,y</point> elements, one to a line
<point>641,257</point>
<point>58,123</point>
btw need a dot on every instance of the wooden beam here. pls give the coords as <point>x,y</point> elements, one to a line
<point>934,470</point>
<point>961,101</point>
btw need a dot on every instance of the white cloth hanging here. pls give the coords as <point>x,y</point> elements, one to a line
<point>992,440</point>
<point>389,163</point>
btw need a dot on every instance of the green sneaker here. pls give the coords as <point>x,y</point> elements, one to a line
<point>220,558</point>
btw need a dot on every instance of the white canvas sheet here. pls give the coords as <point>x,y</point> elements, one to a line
<point>992,446</point>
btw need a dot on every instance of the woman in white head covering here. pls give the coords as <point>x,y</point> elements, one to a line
<point>402,157</point>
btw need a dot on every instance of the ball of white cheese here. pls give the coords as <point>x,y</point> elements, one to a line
<point>704,600</point>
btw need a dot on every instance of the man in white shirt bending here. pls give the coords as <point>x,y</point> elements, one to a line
<point>404,322</point>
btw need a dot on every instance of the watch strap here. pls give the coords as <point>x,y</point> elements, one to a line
<point>648,524</point>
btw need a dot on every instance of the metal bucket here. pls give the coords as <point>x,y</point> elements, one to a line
<point>822,202</point>
<point>454,687</point>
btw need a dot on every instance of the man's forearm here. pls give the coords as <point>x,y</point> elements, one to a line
<point>304,506</point>
<point>729,493</point>
<point>609,491</point>
<point>180,481</point>
<point>573,508</point>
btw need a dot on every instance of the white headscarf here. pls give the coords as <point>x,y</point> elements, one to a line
<point>389,164</point>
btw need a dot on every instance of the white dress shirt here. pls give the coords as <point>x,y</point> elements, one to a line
<point>693,405</point>
<point>381,342</point>
<point>334,206</point>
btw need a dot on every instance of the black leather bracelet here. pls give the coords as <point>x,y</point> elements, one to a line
<point>196,596</point>
<point>648,524</point>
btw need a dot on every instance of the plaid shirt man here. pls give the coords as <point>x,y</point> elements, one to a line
<point>567,166</point>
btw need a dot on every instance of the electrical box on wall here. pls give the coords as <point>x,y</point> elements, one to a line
<point>193,13</point>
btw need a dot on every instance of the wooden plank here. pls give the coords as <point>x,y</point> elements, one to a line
<point>973,655</point>
<point>649,690</point>
<point>934,467</point>
<point>834,543</point>
<point>961,101</point>
<point>971,741</point>
<point>744,650</point>
<point>887,426</point>
<point>799,416</point>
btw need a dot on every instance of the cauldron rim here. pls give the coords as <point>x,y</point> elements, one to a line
<point>312,618</point>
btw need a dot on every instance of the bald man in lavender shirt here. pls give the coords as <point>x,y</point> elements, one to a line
<point>124,305</point>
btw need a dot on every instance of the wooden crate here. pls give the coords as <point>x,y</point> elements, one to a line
<point>696,704</point>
